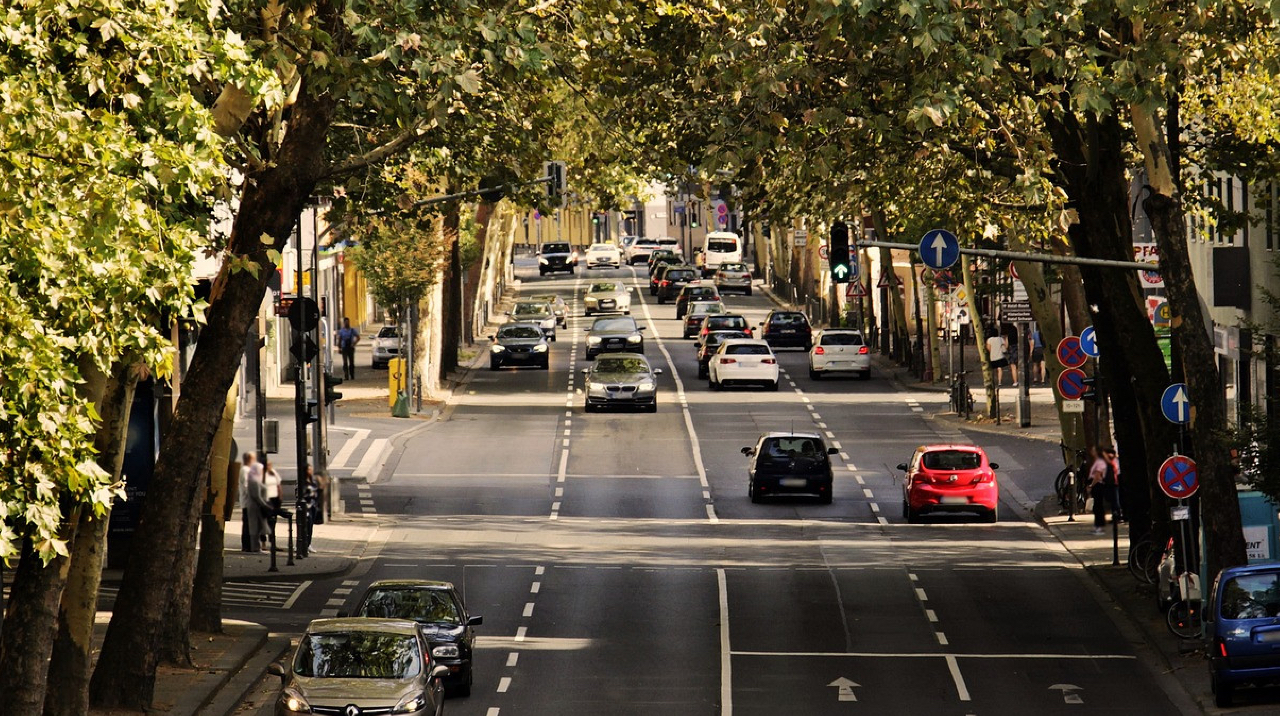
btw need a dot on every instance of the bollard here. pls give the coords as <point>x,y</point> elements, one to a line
<point>290,519</point>
<point>273,567</point>
<point>1071,498</point>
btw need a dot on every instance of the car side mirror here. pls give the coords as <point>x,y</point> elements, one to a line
<point>276,669</point>
<point>475,621</point>
<point>657,371</point>
<point>994,465</point>
<point>641,327</point>
<point>584,371</point>
<point>492,338</point>
<point>748,451</point>
<point>833,451</point>
<point>439,672</point>
<point>587,329</point>
<point>902,466</point>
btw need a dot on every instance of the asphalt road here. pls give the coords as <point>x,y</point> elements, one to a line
<point>621,568</point>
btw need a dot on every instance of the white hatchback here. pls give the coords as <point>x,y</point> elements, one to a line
<point>602,255</point>
<point>839,350</point>
<point>743,361</point>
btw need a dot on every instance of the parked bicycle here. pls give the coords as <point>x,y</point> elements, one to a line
<point>1145,558</point>
<point>961,397</point>
<point>1070,484</point>
<point>1181,591</point>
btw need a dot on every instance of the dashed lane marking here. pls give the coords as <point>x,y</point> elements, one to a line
<point>503,684</point>
<point>512,658</point>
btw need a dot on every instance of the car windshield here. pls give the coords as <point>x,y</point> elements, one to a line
<point>420,605</point>
<point>714,322</point>
<point>790,448</point>
<point>749,349</point>
<point>519,332</point>
<point>722,246</point>
<point>555,248</point>
<point>703,308</point>
<point>1252,596</point>
<point>621,365</point>
<point>614,324</point>
<point>359,655</point>
<point>388,332</point>
<point>842,339</point>
<point>952,460</point>
<point>530,309</point>
<point>787,319</point>
<point>727,268</point>
<point>703,291</point>
<point>603,287</point>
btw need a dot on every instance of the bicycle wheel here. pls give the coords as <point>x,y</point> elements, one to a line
<point>1062,486</point>
<point>1183,619</point>
<point>1139,553</point>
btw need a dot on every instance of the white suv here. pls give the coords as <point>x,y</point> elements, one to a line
<point>640,249</point>
<point>743,361</point>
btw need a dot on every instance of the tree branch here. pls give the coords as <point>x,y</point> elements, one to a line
<point>380,153</point>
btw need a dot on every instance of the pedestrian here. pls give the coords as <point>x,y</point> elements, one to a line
<point>271,481</point>
<point>307,504</point>
<point>1104,484</point>
<point>248,468</point>
<point>257,510</point>
<point>348,337</point>
<point>1011,352</point>
<point>996,359</point>
<point>1037,357</point>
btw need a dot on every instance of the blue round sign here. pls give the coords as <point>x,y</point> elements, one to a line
<point>939,249</point>
<point>1089,342</point>
<point>1175,404</point>
<point>1179,477</point>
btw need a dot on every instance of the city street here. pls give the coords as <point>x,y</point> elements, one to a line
<point>621,568</point>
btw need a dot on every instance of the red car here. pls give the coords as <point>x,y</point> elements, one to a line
<point>949,478</point>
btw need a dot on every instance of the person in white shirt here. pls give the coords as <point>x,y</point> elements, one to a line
<point>996,358</point>
<point>271,482</point>
<point>248,467</point>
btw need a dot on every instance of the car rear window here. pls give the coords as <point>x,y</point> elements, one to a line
<point>723,246</point>
<point>1251,596</point>
<point>667,242</point>
<point>679,275</point>
<point>789,448</point>
<point>715,322</point>
<point>952,460</point>
<point>842,339</point>
<point>733,267</point>
<point>749,349</point>
<point>699,307</point>
<point>703,291</point>
<point>788,319</point>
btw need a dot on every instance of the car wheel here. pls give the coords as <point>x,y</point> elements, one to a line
<point>588,408</point>
<point>1222,693</point>
<point>494,365</point>
<point>589,311</point>
<point>912,516</point>
<point>906,510</point>
<point>553,338</point>
<point>652,407</point>
<point>748,292</point>
<point>774,385</point>
<point>865,375</point>
<point>751,491</point>
<point>661,300</point>
<point>627,312</point>
<point>591,356</point>
<point>825,499</point>
<point>993,516</point>
<point>713,383</point>
<point>541,272</point>
<point>814,375</point>
<point>807,347</point>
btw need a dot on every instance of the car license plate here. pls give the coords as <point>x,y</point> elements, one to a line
<point>793,482</point>
<point>954,500</point>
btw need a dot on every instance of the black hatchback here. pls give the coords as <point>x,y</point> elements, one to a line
<point>787,329</point>
<point>789,464</point>
<point>673,280</point>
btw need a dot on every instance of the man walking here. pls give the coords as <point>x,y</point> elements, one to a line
<point>348,337</point>
<point>250,468</point>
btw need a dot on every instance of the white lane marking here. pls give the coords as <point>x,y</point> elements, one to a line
<point>555,506</point>
<point>912,577</point>
<point>503,684</point>
<point>535,588</point>
<point>822,425</point>
<point>867,494</point>
<point>342,590</point>
<point>931,615</point>
<point>512,658</point>
<point>882,520</point>
<point>520,632</point>
<point>836,444</point>
<point>328,612</point>
<point>921,595</point>
<point>726,670</point>
<point>844,456</point>
<point>711,514</point>
<point>566,443</point>
<point>942,638</point>
<point>372,458</point>
<point>353,582</point>
<point>493,711</point>
<point>804,399</point>
<point>335,602</point>
<point>568,414</point>
<point>339,461</point>
<point>954,667</point>
<point>934,655</point>
<point>875,507</point>
<point>528,610</point>
<point>540,571</point>
<point>830,434</point>
<point>288,603</point>
<point>559,492</point>
<point>564,465</point>
<point>859,479</point>
<point>706,495</point>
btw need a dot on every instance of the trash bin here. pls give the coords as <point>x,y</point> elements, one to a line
<point>397,382</point>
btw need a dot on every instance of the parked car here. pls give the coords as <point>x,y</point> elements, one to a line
<point>839,350</point>
<point>696,291</point>
<point>558,306</point>
<point>386,345</point>
<point>640,250</point>
<point>733,276</point>
<point>603,256</point>
<point>556,256</point>
<point>674,278</point>
<point>519,344</point>
<point>442,618</point>
<point>361,666</point>
<point>789,464</point>
<point>622,380</point>
<point>607,297</point>
<point>743,361</point>
<point>536,312</point>
<point>1242,627</point>
<point>616,334</point>
<point>723,322</point>
<point>949,478</point>
<point>711,344</point>
<point>787,329</point>
<point>698,311</point>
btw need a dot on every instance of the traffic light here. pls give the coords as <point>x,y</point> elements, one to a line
<point>554,174</point>
<point>310,416</point>
<point>694,211</point>
<point>1090,388</point>
<point>595,219</point>
<point>838,253</point>
<point>330,394</point>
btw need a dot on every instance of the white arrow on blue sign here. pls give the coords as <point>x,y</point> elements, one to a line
<point>1089,342</point>
<point>939,249</point>
<point>1175,404</point>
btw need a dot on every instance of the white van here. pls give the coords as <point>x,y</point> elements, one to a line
<point>720,247</point>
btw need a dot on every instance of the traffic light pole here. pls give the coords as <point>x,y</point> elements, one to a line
<point>300,386</point>
<point>319,452</point>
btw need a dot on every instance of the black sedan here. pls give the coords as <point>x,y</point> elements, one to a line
<point>442,620</point>
<point>673,280</point>
<point>787,329</point>
<point>519,344</point>
<point>619,334</point>
<point>622,380</point>
<point>789,464</point>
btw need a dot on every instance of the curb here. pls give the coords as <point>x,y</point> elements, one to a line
<point>227,697</point>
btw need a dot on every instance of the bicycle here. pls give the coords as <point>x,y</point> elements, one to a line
<point>1069,485</point>
<point>1145,559</point>
<point>961,397</point>
<point>1183,616</point>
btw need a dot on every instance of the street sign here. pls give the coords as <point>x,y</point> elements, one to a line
<point>1073,406</point>
<point>855,289</point>
<point>1016,311</point>
<point>939,249</point>
<point>1175,404</point>
<point>823,252</point>
<point>304,314</point>
<point>887,280</point>
<point>1089,342</point>
<point>801,237</point>
<point>1178,477</point>
<point>1071,385</point>
<point>1070,354</point>
<point>1148,253</point>
<point>1162,315</point>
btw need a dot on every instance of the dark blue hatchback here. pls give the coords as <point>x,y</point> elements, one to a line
<point>1242,623</point>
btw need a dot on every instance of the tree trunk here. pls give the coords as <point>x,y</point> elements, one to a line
<point>174,646</point>
<point>475,273</point>
<point>270,205</point>
<point>206,592</point>
<point>71,658</point>
<point>979,337</point>
<point>451,308</point>
<point>29,626</point>
<point>1078,317</point>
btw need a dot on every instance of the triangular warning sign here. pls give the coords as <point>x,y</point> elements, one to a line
<point>887,279</point>
<point>855,289</point>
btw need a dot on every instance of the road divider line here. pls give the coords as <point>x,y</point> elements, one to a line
<point>372,458</point>
<point>528,610</point>
<point>726,655</point>
<point>535,587</point>
<point>954,667</point>
<point>931,615</point>
<point>867,494</point>
<point>540,571</point>
<point>521,632</point>
<point>503,684</point>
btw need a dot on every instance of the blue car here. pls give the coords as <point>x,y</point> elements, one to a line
<point>1242,623</point>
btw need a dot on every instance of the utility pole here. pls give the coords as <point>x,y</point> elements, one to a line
<point>319,443</point>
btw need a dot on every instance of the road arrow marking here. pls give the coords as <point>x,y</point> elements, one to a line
<point>845,687</point>
<point>1180,400</point>
<point>939,245</point>
<point>1069,695</point>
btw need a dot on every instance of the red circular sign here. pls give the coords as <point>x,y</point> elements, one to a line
<point>1070,354</point>
<point>1071,384</point>
<point>1178,477</point>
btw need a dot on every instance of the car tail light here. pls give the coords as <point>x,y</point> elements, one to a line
<point>819,351</point>
<point>987,476</point>
<point>726,361</point>
<point>768,361</point>
<point>748,332</point>
<point>664,282</point>
<point>862,351</point>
